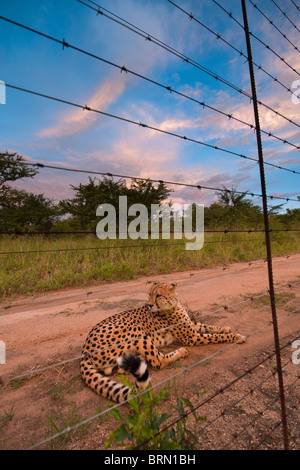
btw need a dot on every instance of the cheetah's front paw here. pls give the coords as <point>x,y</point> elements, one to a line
<point>240,339</point>
<point>183,352</point>
<point>226,329</point>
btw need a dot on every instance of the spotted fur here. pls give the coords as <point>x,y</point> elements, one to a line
<point>130,340</point>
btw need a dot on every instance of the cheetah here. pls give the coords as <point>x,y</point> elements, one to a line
<point>130,340</point>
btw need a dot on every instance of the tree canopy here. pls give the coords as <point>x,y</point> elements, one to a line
<point>232,209</point>
<point>14,167</point>
<point>82,208</point>
<point>21,211</point>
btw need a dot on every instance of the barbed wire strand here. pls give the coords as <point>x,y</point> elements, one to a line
<point>175,183</point>
<point>255,37</point>
<point>274,25</point>
<point>148,37</point>
<point>92,232</point>
<point>138,246</point>
<point>286,16</point>
<point>298,8</point>
<point>240,52</point>
<point>123,68</point>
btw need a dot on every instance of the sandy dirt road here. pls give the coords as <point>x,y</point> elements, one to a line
<point>43,331</point>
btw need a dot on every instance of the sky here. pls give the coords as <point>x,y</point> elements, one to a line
<point>55,133</point>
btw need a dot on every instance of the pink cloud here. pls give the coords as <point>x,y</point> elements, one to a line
<point>78,120</point>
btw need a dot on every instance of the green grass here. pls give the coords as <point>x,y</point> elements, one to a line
<point>6,417</point>
<point>282,299</point>
<point>32,273</point>
<point>56,424</point>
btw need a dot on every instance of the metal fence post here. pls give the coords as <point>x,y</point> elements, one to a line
<point>267,231</point>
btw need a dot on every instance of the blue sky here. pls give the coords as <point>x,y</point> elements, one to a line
<point>46,131</point>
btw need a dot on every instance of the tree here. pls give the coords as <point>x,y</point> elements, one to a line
<point>82,208</point>
<point>143,192</point>
<point>231,197</point>
<point>14,167</point>
<point>232,209</point>
<point>19,210</point>
<point>24,212</point>
<point>290,219</point>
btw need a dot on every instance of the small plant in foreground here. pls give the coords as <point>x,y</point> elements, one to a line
<point>6,416</point>
<point>141,428</point>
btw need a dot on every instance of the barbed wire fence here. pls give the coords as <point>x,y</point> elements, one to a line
<point>275,321</point>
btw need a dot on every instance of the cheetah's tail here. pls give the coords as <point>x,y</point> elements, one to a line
<point>108,388</point>
<point>137,367</point>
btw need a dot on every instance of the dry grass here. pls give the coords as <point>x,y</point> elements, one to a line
<point>90,260</point>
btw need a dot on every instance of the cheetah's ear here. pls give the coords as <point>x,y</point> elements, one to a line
<point>174,284</point>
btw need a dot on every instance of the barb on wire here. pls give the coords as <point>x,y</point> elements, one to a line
<point>180,55</point>
<point>294,3</point>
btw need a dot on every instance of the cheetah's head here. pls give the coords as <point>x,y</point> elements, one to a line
<point>162,297</point>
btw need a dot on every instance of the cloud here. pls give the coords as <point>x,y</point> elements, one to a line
<point>172,124</point>
<point>78,120</point>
